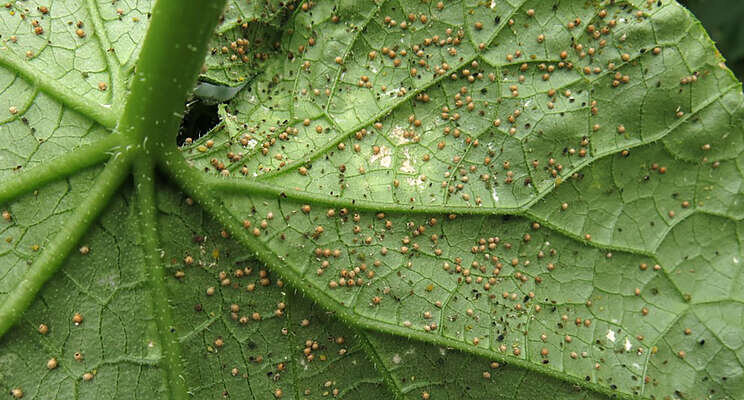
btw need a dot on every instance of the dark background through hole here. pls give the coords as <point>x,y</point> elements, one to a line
<point>199,118</point>
<point>723,21</point>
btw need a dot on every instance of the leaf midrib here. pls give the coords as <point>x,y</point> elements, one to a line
<point>91,109</point>
<point>191,181</point>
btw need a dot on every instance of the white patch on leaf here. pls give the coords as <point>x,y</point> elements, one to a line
<point>407,164</point>
<point>416,182</point>
<point>385,157</point>
<point>398,134</point>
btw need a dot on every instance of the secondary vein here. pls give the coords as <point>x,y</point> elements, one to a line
<point>100,113</point>
<point>63,166</point>
<point>55,253</point>
<point>112,61</point>
<point>172,362</point>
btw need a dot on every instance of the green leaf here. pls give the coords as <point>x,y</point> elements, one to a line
<point>406,199</point>
<point>244,337</point>
<point>244,39</point>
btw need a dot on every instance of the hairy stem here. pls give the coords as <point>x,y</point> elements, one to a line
<point>170,60</point>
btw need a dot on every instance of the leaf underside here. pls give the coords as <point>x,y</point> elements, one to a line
<point>405,199</point>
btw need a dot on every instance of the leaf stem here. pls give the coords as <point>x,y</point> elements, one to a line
<point>171,58</point>
<point>172,362</point>
<point>61,167</point>
<point>55,253</point>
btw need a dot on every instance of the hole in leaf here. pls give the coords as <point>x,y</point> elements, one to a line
<point>199,118</point>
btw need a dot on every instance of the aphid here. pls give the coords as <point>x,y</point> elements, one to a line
<point>84,250</point>
<point>77,319</point>
<point>17,393</point>
<point>87,376</point>
<point>43,329</point>
<point>51,363</point>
